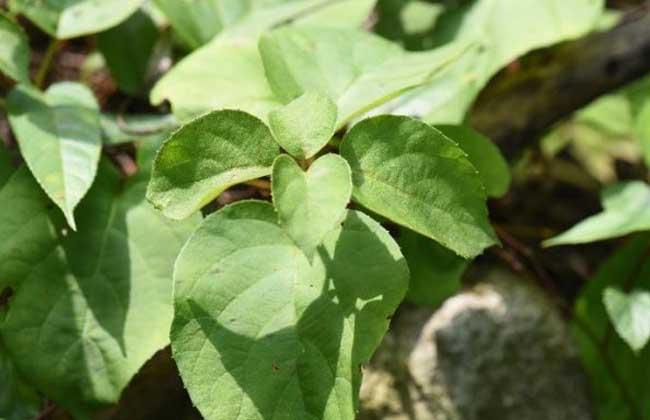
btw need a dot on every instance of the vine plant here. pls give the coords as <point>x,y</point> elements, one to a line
<point>272,308</point>
<point>278,306</point>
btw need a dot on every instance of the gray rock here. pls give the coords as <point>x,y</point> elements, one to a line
<point>500,351</point>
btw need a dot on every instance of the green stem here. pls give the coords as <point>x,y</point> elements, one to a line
<point>3,103</point>
<point>44,68</point>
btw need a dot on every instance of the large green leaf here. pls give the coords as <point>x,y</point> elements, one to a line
<point>505,30</point>
<point>620,378</point>
<point>304,126</point>
<point>71,18</point>
<point>127,49</point>
<point>412,174</point>
<point>96,304</point>
<point>626,209</point>
<point>355,69</point>
<point>14,50</point>
<point>60,138</point>
<point>435,271</point>
<point>630,314</point>
<point>196,85</point>
<point>359,71</point>
<point>484,155</point>
<point>311,204</point>
<point>18,401</point>
<point>261,333</point>
<point>207,156</point>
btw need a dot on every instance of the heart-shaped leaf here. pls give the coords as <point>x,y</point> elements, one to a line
<point>89,308</point>
<point>207,156</point>
<point>14,50</point>
<point>311,204</point>
<point>60,138</point>
<point>630,314</point>
<point>261,333</point>
<point>72,18</point>
<point>304,126</point>
<point>412,174</point>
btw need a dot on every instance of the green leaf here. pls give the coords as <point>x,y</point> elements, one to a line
<point>14,50</point>
<point>358,70</point>
<point>267,335</point>
<point>594,336</point>
<point>484,155</point>
<point>626,209</point>
<point>355,69</point>
<point>97,304</point>
<point>207,156</point>
<point>435,271</point>
<point>18,401</point>
<point>127,49</point>
<point>73,18</point>
<point>630,314</point>
<point>195,86</point>
<point>412,174</point>
<point>311,204</point>
<point>504,31</point>
<point>304,126</point>
<point>59,136</point>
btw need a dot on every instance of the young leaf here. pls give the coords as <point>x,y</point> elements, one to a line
<point>18,401</point>
<point>260,333</point>
<point>87,315</point>
<point>304,126</point>
<point>412,174</point>
<point>73,18</point>
<point>311,204</point>
<point>14,50</point>
<point>484,155</point>
<point>127,49</point>
<point>207,156</point>
<point>60,138</point>
<point>435,271</point>
<point>626,209</point>
<point>630,314</point>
